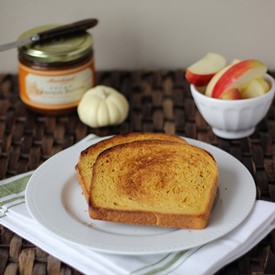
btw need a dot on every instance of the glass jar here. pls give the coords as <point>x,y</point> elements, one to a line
<point>54,75</point>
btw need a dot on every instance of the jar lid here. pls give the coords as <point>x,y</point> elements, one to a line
<point>63,49</point>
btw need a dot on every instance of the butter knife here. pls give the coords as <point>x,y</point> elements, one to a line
<point>63,30</point>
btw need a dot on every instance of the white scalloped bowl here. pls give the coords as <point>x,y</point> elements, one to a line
<point>234,119</point>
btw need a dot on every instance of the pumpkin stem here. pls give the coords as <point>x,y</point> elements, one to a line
<point>103,93</point>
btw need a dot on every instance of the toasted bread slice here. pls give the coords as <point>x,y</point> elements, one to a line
<point>154,182</point>
<point>89,155</point>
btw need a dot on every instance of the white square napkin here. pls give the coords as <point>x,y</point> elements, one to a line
<point>206,259</point>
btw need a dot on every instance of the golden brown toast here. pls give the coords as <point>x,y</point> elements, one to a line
<point>154,182</point>
<point>89,155</point>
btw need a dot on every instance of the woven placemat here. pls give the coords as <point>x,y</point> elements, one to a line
<point>160,101</point>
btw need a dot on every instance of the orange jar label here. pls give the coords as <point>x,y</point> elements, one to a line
<point>55,89</point>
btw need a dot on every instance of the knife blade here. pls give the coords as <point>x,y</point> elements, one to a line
<point>63,30</point>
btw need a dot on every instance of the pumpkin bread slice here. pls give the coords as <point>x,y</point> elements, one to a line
<point>154,182</point>
<point>89,155</point>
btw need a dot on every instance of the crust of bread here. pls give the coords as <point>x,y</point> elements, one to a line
<point>88,156</point>
<point>154,182</point>
<point>151,218</point>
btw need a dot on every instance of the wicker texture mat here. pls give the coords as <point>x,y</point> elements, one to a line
<point>160,101</point>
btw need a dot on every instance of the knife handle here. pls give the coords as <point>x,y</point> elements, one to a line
<point>66,29</point>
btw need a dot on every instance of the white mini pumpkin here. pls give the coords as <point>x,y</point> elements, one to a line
<point>102,106</point>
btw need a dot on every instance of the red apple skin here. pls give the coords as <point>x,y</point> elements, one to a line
<point>232,94</point>
<point>236,76</point>
<point>200,72</point>
<point>216,77</point>
<point>198,80</point>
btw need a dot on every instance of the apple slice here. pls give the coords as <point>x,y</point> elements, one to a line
<point>200,73</point>
<point>238,76</point>
<point>232,94</point>
<point>216,77</point>
<point>256,87</point>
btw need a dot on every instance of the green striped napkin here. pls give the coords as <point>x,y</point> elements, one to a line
<point>12,192</point>
<point>12,199</point>
<point>204,260</point>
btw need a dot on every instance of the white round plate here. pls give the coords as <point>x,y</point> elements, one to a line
<point>55,200</point>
